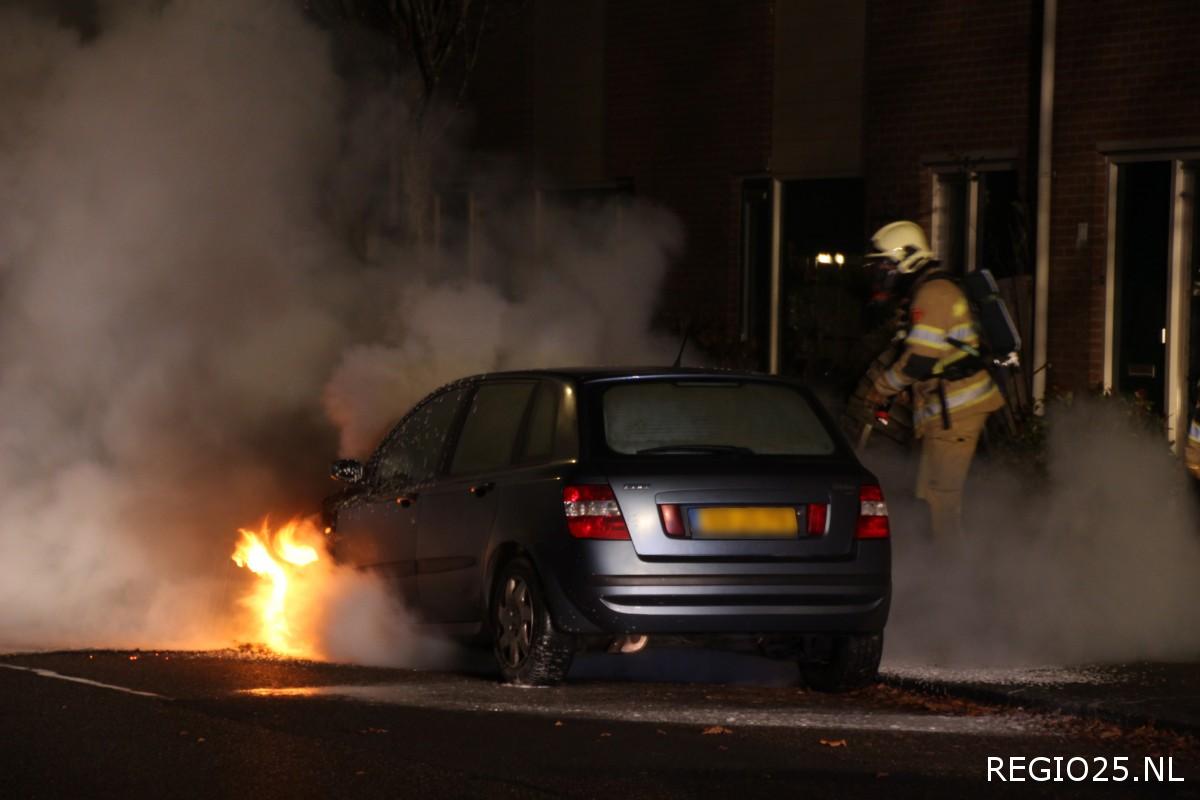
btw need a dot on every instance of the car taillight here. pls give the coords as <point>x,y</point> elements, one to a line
<point>818,516</point>
<point>592,512</point>
<point>872,514</point>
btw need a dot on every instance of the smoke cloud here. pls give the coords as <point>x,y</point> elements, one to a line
<point>186,338</point>
<point>1099,563</point>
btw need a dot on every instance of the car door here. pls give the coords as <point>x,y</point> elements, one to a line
<point>379,529</point>
<point>457,512</point>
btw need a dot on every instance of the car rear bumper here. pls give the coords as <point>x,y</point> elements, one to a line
<point>603,587</point>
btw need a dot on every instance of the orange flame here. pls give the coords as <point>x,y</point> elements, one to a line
<point>278,557</point>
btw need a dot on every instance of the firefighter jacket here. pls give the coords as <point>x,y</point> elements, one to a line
<point>941,334</point>
<point>1192,451</point>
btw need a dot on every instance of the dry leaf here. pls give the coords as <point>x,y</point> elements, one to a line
<point>834,742</point>
<point>715,729</point>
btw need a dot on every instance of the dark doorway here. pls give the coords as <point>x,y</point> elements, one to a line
<point>823,281</point>
<point>1143,234</point>
<point>756,268</point>
<point>1193,266</point>
<point>1001,233</point>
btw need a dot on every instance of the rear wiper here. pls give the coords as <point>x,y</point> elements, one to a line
<point>710,449</point>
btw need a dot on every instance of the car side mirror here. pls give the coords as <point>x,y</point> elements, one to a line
<point>347,470</point>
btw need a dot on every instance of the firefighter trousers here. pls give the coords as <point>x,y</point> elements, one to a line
<point>945,459</point>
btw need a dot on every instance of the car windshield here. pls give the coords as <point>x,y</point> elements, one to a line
<point>712,417</point>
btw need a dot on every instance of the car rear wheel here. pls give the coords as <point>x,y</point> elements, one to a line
<point>528,650</point>
<point>854,663</point>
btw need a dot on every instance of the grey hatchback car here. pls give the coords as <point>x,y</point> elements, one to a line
<point>550,511</point>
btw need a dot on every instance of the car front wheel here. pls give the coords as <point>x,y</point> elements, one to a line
<point>853,664</point>
<point>528,650</point>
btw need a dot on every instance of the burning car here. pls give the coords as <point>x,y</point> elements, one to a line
<point>549,511</point>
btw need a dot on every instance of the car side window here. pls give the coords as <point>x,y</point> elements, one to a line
<point>411,454</point>
<point>541,430</point>
<point>489,434</point>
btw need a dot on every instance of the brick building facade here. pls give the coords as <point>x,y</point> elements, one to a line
<point>738,115</point>
<point>1122,278</point>
<point>688,98</point>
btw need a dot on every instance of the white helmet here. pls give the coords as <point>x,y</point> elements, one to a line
<point>904,244</point>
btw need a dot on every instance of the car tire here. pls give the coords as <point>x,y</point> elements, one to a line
<point>854,663</point>
<point>527,648</point>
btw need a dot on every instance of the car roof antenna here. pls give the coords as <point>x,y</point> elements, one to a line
<point>687,331</point>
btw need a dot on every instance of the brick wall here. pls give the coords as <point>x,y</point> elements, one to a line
<point>951,77</point>
<point>688,90</point>
<point>1125,72</point>
<point>942,77</point>
<point>500,95</point>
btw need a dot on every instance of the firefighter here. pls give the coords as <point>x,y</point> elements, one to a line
<point>953,393</point>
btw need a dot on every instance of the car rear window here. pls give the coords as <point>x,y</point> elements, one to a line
<point>669,417</point>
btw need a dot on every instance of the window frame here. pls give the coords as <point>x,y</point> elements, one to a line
<point>971,167</point>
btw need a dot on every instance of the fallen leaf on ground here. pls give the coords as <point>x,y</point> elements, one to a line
<point>715,729</point>
<point>834,742</point>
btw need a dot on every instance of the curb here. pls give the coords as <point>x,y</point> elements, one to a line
<point>1039,702</point>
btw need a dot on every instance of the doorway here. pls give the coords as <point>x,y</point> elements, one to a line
<point>755,258</point>
<point>1143,236</point>
<point>824,284</point>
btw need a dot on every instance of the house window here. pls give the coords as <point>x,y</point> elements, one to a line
<point>978,221</point>
<point>951,219</point>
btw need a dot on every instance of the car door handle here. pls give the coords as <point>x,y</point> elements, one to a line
<point>406,500</point>
<point>480,489</point>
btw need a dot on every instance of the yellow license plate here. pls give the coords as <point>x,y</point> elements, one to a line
<point>753,523</point>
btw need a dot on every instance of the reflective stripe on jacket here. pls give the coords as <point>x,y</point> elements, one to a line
<point>942,333</point>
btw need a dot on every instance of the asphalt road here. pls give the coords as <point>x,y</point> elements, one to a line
<point>239,725</point>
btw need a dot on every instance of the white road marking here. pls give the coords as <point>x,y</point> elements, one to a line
<point>45,673</point>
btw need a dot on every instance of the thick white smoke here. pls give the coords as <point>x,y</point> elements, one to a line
<point>1098,563</point>
<point>180,317</point>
